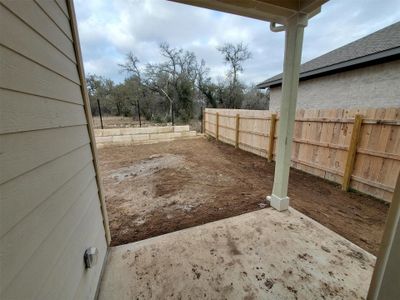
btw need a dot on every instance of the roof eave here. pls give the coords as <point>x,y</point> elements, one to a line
<point>348,65</point>
<point>265,10</point>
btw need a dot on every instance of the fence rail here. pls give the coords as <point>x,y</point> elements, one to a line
<point>359,149</point>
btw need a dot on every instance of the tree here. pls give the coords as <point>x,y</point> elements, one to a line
<point>100,88</point>
<point>175,79</point>
<point>157,81</point>
<point>205,85</point>
<point>255,99</point>
<point>135,81</point>
<point>178,83</point>
<point>120,98</point>
<point>235,55</point>
<point>131,65</point>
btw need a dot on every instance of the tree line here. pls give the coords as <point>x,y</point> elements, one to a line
<point>177,87</point>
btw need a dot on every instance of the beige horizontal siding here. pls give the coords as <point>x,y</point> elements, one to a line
<point>49,205</point>
<point>55,13</point>
<point>80,220</point>
<point>86,234</point>
<point>21,38</point>
<point>17,245</point>
<point>29,12</point>
<point>24,112</point>
<point>33,148</point>
<point>63,6</point>
<point>21,74</point>
<point>22,194</point>
<point>88,281</point>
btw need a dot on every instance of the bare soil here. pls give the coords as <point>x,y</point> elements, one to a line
<point>118,122</point>
<point>159,188</point>
<point>129,122</point>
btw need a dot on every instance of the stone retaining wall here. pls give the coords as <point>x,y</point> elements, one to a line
<point>143,135</point>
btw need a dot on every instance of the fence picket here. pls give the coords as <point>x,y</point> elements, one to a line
<point>322,141</point>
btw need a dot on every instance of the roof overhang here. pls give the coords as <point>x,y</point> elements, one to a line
<point>278,11</point>
<point>373,59</point>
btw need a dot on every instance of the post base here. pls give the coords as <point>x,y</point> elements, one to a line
<point>278,203</point>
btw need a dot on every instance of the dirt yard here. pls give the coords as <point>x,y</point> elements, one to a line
<point>155,189</point>
<point>128,122</point>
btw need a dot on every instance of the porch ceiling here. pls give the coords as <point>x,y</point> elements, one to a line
<point>278,11</point>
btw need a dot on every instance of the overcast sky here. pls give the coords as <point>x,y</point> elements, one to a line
<point>109,29</point>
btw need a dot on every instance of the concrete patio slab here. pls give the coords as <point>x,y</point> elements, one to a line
<point>259,255</point>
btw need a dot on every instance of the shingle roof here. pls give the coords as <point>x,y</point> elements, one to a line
<point>382,43</point>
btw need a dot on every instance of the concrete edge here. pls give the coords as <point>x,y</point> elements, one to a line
<point>337,234</point>
<point>290,210</point>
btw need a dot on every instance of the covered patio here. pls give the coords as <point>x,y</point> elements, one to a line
<point>55,234</point>
<point>259,255</point>
<point>274,253</point>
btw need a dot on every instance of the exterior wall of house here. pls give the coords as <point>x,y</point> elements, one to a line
<point>50,210</point>
<point>373,86</point>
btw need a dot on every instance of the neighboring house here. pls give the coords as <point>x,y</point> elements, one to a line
<point>364,73</point>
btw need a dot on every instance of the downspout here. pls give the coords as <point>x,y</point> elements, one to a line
<point>274,28</point>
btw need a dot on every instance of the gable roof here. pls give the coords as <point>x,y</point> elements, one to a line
<point>377,46</point>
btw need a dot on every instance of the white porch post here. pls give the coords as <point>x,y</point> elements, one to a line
<point>386,278</point>
<point>294,30</point>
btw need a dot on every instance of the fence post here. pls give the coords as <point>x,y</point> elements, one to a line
<point>138,109</point>
<point>272,127</point>
<point>237,130</point>
<point>101,118</point>
<point>203,120</point>
<point>217,127</point>
<point>351,154</point>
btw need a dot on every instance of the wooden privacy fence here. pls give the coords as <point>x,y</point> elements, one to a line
<point>357,148</point>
